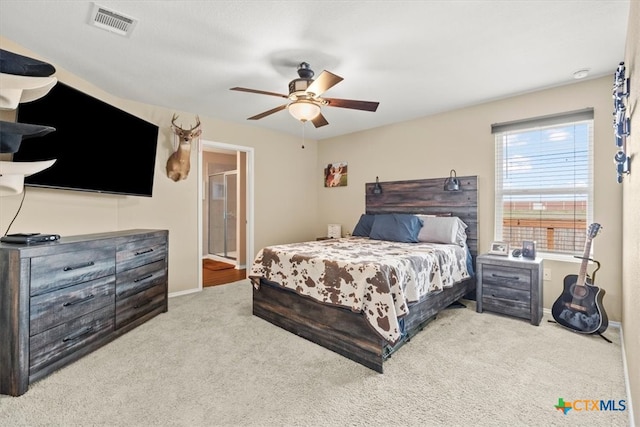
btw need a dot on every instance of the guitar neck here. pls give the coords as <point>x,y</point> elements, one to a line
<point>582,275</point>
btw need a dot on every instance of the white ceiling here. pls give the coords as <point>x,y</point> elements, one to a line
<point>416,58</point>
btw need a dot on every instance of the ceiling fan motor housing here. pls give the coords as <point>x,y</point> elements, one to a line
<point>298,88</point>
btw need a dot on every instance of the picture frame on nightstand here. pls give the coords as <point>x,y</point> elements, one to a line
<point>499,248</point>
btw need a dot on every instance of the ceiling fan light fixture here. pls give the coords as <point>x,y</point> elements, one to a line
<point>303,110</point>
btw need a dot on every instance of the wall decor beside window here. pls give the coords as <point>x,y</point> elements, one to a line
<point>335,175</point>
<point>621,121</point>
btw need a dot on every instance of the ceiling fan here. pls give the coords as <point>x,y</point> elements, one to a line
<point>304,96</point>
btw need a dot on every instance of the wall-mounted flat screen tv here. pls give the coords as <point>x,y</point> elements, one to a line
<point>98,147</point>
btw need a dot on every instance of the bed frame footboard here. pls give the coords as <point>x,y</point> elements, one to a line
<point>341,330</point>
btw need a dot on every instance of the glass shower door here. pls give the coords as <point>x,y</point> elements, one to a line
<point>222,214</point>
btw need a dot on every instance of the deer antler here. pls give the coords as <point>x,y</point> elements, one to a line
<point>186,134</point>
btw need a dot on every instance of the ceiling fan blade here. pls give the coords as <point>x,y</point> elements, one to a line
<point>266,113</point>
<point>323,83</point>
<point>319,121</point>
<point>262,92</point>
<point>353,104</point>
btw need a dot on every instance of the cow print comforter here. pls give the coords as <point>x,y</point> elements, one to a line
<point>376,277</point>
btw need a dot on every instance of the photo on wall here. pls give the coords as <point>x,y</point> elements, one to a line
<point>335,175</point>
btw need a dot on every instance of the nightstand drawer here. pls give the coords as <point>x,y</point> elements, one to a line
<point>516,278</point>
<point>508,307</point>
<point>506,294</point>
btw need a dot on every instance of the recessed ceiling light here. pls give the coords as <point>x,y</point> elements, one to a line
<point>581,74</point>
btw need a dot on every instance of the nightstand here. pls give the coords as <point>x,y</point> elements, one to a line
<point>509,285</point>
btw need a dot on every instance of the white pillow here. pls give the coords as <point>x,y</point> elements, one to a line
<point>442,229</point>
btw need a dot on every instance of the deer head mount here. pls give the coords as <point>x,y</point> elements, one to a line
<point>179,162</point>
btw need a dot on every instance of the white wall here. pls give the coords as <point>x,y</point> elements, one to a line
<point>631,210</point>
<point>431,146</point>
<point>285,191</point>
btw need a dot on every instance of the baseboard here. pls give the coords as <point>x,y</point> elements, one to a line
<point>626,380</point>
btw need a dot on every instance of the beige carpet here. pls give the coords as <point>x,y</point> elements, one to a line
<point>209,362</point>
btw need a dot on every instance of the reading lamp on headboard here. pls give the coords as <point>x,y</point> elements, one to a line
<point>377,189</point>
<point>452,183</point>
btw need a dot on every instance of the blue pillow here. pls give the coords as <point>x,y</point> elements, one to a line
<point>396,228</point>
<point>363,227</point>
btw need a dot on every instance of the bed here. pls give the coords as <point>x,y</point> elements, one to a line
<point>364,297</point>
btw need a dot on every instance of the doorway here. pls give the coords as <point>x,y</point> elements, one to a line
<point>223,212</point>
<point>225,209</point>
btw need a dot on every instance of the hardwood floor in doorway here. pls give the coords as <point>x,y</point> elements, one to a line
<point>214,273</point>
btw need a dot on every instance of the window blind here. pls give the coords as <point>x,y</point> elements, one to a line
<point>544,181</point>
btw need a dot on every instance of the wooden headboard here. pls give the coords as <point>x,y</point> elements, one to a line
<point>427,196</point>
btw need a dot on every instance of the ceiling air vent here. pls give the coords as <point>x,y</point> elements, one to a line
<point>110,20</point>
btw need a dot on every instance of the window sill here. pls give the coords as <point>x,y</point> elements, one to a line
<point>559,257</point>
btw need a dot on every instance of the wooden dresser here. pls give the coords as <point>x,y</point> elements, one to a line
<point>509,285</point>
<point>61,300</point>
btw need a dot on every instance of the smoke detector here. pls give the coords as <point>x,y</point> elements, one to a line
<point>112,21</point>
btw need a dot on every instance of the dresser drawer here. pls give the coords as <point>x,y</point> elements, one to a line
<point>54,308</point>
<point>138,279</point>
<point>140,252</point>
<point>62,340</point>
<point>136,306</point>
<point>61,270</point>
<point>516,278</point>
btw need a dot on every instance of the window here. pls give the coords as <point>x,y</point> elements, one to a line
<point>544,181</point>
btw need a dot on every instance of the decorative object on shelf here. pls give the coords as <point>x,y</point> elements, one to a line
<point>377,189</point>
<point>12,134</point>
<point>529,249</point>
<point>12,175</point>
<point>334,231</point>
<point>452,183</point>
<point>179,163</point>
<point>335,175</point>
<point>621,122</point>
<point>20,65</point>
<point>499,248</point>
<point>15,89</point>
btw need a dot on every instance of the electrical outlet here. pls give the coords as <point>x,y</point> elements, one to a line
<point>546,274</point>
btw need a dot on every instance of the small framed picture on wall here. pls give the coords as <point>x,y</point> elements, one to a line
<point>335,175</point>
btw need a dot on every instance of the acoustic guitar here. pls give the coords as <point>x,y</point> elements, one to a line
<point>579,307</point>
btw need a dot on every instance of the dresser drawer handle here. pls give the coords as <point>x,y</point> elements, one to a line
<point>512,299</point>
<point>505,277</point>
<point>140,279</point>
<point>79,301</point>
<point>80,334</point>
<point>75,267</point>
<point>142,304</point>
<point>144,252</point>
